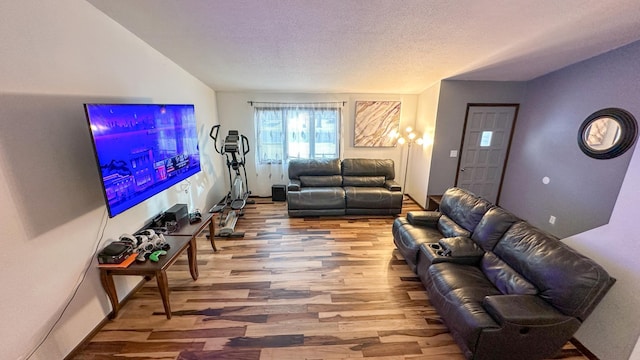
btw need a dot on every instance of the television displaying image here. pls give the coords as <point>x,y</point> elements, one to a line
<point>142,149</point>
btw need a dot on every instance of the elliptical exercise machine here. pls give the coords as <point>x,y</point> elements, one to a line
<point>234,148</point>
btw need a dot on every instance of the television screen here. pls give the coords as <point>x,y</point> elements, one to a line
<point>142,149</point>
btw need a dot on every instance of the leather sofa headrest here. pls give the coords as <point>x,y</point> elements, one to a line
<point>315,167</point>
<point>368,167</point>
<point>463,207</point>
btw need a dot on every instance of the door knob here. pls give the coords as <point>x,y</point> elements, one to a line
<point>461,170</point>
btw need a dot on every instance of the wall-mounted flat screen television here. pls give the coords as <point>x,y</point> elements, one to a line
<point>142,149</point>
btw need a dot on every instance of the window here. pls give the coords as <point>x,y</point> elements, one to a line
<point>297,132</point>
<point>485,139</point>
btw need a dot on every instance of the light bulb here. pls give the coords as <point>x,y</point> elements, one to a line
<point>412,136</point>
<point>409,129</point>
<point>401,141</point>
<point>420,141</point>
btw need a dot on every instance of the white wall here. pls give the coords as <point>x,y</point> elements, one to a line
<point>55,56</point>
<point>613,329</point>
<point>635,355</point>
<point>236,113</point>
<point>420,161</point>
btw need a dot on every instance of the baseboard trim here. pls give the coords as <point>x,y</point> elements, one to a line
<point>583,349</point>
<point>101,324</point>
<point>414,200</point>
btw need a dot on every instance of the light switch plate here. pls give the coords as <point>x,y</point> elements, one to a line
<point>453,153</point>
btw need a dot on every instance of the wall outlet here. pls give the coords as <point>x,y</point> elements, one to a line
<point>552,220</point>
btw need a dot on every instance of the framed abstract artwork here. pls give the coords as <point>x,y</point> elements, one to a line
<point>374,122</point>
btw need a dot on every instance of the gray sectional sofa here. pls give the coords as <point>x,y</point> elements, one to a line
<point>505,289</point>
<point>319,187</point>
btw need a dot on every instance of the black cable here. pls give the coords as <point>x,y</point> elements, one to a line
<point>101,230</point>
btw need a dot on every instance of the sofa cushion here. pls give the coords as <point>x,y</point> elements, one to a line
<point>448,277</point>
<point>464,208</point>
<point>366,181</point>
<point>569,281</point>
<point>495,222</point>
<point>504,277</point>
<point>321,181</point>
<point>368,167</point>
<point>316,198</point>
<point>372,198</point>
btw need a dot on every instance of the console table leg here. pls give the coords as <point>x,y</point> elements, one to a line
<point>110,288</point>
<point>163,287</point>
<point>212,234</point>
<point>193,259</point>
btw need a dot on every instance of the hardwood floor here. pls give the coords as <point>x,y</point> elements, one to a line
<point>292,288</point>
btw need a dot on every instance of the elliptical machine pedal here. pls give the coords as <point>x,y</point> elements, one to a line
<point>238,204</point>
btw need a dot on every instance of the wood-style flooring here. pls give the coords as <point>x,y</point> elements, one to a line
<point>292,288</point>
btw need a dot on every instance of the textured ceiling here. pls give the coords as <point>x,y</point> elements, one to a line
<point>373,46</point>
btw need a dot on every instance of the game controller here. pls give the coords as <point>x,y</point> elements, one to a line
<point>145,243</point>
<point>130,239</point>
<point>142,256</point>
<point>155,256</point>
<point>195,217</point>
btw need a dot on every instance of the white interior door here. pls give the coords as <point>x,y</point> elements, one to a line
<point>485,146</point>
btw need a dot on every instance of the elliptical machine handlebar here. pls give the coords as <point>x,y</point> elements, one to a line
<point>245,146</point>
<point>216,129</point>
<point>230,145</point>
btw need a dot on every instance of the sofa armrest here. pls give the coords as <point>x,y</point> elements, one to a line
<point>392,185</point>
<point>433,253</point>
<point>294,185</point>
<point>524,310</point>
<point>461,246</point>
<point>424,218</point>
<point>529,328</point>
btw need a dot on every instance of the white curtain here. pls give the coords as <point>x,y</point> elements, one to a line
<point>291,130</point>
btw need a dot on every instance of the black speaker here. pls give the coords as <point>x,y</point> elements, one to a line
<point>279,193</point>
<point>177,213</point>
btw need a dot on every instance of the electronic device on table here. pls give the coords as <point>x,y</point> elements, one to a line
<point>115,253</point>
<point>142,149</point>
<point>171,220</point>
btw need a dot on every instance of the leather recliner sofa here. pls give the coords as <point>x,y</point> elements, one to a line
<point>505,289</point>
<point>333,187</point>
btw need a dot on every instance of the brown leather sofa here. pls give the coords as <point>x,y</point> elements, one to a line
<point>334,187</point>
<point>505,289</point>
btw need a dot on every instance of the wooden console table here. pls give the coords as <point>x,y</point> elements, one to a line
<point>184,238</point>
<point>150,269</point>
<point>433,202</point>
<point>194,230</point>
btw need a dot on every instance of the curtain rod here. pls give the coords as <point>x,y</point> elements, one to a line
<point>250,102</point>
